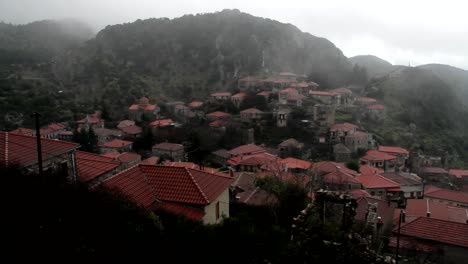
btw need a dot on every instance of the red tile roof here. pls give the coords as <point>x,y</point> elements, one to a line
<point>116,143</point>
<point>113,154</point>
<point>125,123</point>
<point>449,195</point>
<point>246,149</point>
<point>133,185</point>
<point>90,166</point>
<point>221,94</point>
<point>296,97</point>
<point>132,130</point>
<point>339,177</point>
<point>300,85</point>
<point>264,93</point>
<point>384,210</point>
<point>413,244</point>
<point>458,173</point>
<point>358,193</point>
<point>442,231</point>
<point>419,207</point>
<point>218,114</point>
<point>366,169</point>
<point>393,150</point>
<point>162,122</point>
<point>375,155</point>
<point>324,167</point>
<point>375,181</point>
<point>343,127</point>
<point>366,99</point>
<point>126,157</point>
<point>23,131</point>
<point>195,104</point>
<point>342,91</point>
<point>21,149</point>
<point>240,95</point>
<point>90,120</point>
<point>148,107</point>
<point>293,163</point>
<point>251,111</point>
<point>257,159</point>
<point>376,106</point>
<point>434,170</point>
<point>150,161</point>
<point>322,93</point>
<point>105,132</point>
<point>168,146</point>
<point>289,90</point>
<point>190,165</point>
<point>144,184</point>
<point>191,213</point>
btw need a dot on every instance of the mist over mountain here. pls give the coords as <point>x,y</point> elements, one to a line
<point>374,65</point>
<point>195,54</point>
<point>39,41</point>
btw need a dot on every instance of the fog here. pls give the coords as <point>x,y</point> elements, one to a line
<point>401,32</point>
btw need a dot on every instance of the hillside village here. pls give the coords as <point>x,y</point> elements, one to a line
<point>197,158</point>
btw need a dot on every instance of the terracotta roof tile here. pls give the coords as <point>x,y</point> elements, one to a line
<point>394,150</point>
<point>375,181</point>
<point>324,167</point>
<point>339,177</point>
<point>246,149</point>
<point>218,114</point>
<point>458,173</point>
<point>191,213</point>
<point>168,146</point>
<point>376,106</point>
<point>221,94</point>
<point>366,99</point>
<point>434,170</point>
<point>125,123</point>
<point>251,111</point>
<point>126,157</point>
<point>132,130</point>
<point>240,95</point>
<point>343,127</point>
<point>294,163</point>
<point>162,122</point>
<point>375,155</point>
<point>322,93</point>
<point>195,104</point>
<point>419,207</point>
<point>366,169</point>
<point>23,131</point>
<point>289,90</point>
<point>448,195</point>
<point>116,143</point>
<point>442,231</point>
<point>21,149</point>
<point>90,166</point>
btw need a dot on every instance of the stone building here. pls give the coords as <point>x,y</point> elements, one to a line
<point>143,110</point>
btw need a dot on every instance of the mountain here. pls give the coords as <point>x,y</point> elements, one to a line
<point>374,65</point>
<point>190,56</point>
<point>455,77</point>
<point>39,41</point>
<point>423,110</point>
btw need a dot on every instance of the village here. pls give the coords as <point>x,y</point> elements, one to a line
<point>205,155</point>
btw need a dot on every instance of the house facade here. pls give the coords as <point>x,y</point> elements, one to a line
<point>169,150</point>
<point>143,110</point>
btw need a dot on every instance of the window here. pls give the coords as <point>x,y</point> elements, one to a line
<point>217,210</point>
<point>372,193</point>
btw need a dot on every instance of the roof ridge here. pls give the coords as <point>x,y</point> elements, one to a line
<point>196,184</point>
<point>153,191</point>
<point>46,139</point>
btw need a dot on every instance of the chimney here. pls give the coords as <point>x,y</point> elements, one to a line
<point>403,216</point>
<point>231,173</point>
<point>428,214</point>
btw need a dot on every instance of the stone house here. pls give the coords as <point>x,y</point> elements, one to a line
<point>52,130</point>
<point>169,150</point>
<point>357,140</point>
<point>375,112</point>
<point>249,83</point>
<point>380,186</point>
<point>410,184</point>
<point>324,116</point>
<point>143,109</point>
<point>115,145</point>
<point>105,134</point>
<point>160,188</point>
<point>285,94</point>
<point>90,121</point>
<point>364,101</point>
<point>162,127</point>
<point>380,160</point>
<point>220,96</point>
<point>251,115</point>
<point>401,153</point>
<point>341,153</point>
<point>217,115</point>
<point>325,97</point>
<point>282,116</point>
<point>92,167</point>
<point>124,159</point>
<point>338,132</point>
<point>290,147</point>
<point>340,180</point>
<point>125,123</point>
<point>435,174</point>
<point>346,96</point>
<point>21,150</point>
<point>238,98</point>
<point>220,157</point>
<point>449,197</point>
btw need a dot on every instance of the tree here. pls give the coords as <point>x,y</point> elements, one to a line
<point>352,165</point>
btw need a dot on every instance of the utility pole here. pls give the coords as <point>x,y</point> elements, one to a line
<point>36,115</point>
<point>402,212</point>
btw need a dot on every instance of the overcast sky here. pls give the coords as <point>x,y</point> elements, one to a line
<point>399,31</point>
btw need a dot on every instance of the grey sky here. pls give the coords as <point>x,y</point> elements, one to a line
<point>402,32</point>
